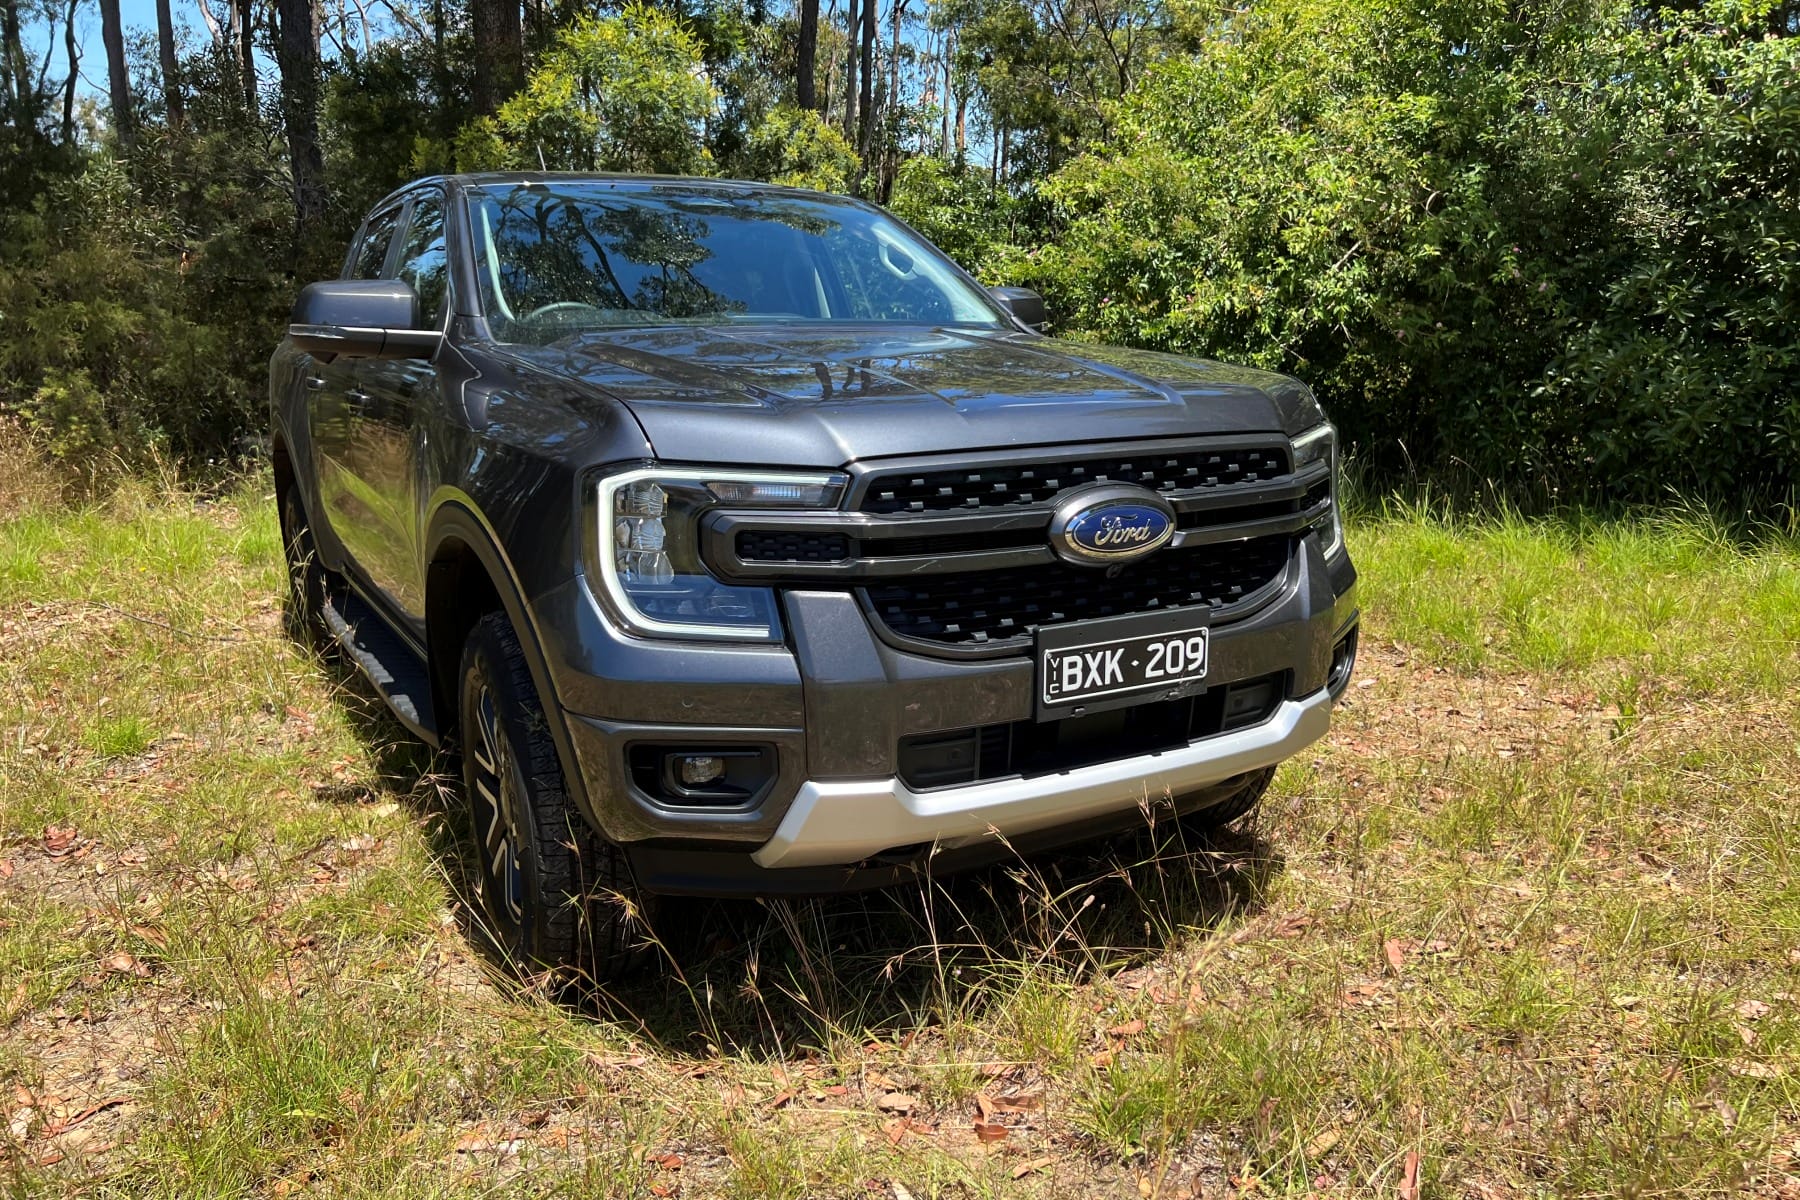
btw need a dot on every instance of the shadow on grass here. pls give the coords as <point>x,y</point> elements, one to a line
<point>781,977</point>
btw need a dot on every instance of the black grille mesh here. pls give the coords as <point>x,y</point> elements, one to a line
<point>761,545</point>
<point>989,608</point>
<point>1023,484</point>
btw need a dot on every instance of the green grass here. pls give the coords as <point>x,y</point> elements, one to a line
<point>1531,914</point>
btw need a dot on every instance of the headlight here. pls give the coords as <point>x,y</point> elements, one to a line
<point>1317,445</point>
<point>644,550</point>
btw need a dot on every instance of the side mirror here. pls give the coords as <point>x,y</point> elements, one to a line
<point>1026,306</point>
<point>361,318</point>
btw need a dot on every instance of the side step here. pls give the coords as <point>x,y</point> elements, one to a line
<point>385,658</point>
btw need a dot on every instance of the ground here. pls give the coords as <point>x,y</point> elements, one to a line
<point>1528,923</point>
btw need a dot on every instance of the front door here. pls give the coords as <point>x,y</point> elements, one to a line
<point>388,449</point>
<point>335,400</point>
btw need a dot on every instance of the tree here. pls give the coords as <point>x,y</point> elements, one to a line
<point>806,55</point>
<point>298,59</point>
<point>499,53</point>
<point>171,70</point>
<point>620,93</point>
<point>112,34</point>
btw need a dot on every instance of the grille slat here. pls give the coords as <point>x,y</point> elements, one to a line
<point>1019,485</point>
<point>990,609</point>
<point>770,545</point>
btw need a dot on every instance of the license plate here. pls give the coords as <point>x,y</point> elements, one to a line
<point>1119,660</point>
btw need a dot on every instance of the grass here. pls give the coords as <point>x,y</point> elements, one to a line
<point>1528,924</point>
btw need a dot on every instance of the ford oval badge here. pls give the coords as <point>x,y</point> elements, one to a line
<point>1110,523</point>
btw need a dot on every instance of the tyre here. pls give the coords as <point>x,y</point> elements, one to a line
<point>302,611</point>
<point>1216,816</point>
<point>554,894</point>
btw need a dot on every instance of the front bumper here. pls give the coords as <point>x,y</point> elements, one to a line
<point>842,823</point>
<point>836,704</point>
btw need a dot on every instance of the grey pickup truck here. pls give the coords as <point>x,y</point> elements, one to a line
<point>743,544</point>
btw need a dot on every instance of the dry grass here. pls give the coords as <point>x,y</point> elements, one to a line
<point>1529,924</point>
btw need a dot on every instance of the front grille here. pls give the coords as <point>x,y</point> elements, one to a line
<point>770,545</point>
<point>961,756</point>
<point>1022,485</point>
<point>990,609</point>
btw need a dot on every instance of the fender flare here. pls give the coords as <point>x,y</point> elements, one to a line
<point>455,517</point>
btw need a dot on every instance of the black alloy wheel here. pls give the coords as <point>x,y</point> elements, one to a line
<point>554,894</point>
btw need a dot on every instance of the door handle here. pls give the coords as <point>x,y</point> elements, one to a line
<point>314,382</point>
<point>357,399</point>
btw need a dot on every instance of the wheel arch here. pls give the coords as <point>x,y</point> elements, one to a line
<point>467,575</point>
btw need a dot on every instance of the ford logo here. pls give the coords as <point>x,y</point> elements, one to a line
<point>1110,523</point>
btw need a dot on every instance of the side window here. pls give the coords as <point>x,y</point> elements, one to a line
<point>372,253</point>
<point>422,260</point>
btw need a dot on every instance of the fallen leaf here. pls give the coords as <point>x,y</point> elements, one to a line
<point>125,964</point>
<point>58,842</point>
<point>1409,1180</point>
<point>898,1102</point>
<point>1323,1144</point>
<point>1032,1167</point>
<point>1746,1069</point>
<point>1752,1010</point>
<point>1727,1115</point>
<point>1129,1029</point>
<point>1104,1058</point>
<point>68,1123</point>
<point>837,1089</point>
<point>1395,950</point>
<point>153,935</point>
<point>900,1192</point>
<point>783,1099</point>
<point>668,1162</point>
<point>6,868</point>
<point>989,1132</point>
<point>1627,1001</point>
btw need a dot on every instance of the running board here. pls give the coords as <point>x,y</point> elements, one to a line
<point>390,664</point>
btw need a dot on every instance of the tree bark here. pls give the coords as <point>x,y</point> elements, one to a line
<point>165,53</point>
<point>850,71</point>
<point>298,58</point>
<point>499,53</point>
<point>806,56</point>
<point>71,47</point>
<point>867,117</point>
<point>112,33</point>
<point>247,51</point>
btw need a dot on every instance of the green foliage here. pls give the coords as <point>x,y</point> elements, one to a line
<point>959,210</point>
<point>796,148</point>
<point>612,94</point>
<point>1548,243</point>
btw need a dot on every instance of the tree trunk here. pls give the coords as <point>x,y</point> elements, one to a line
<point>850,72</point>
<point>298,57</point>
<point>165,53</point>
<point>962,125</point>
<point>112,33</point>
<point>12,64</point>
<point>866,139</point>
<point>806,55</point>
<point>890,154</point>
<point>247,51</point>
<point>71,47</point>
<point>499,53</point>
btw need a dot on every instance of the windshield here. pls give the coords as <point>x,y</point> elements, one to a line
<point>559,259</point>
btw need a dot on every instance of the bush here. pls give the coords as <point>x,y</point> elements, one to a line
<point>795,147</point>
<point>1550,244</point>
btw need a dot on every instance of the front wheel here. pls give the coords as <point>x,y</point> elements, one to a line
<point>303,611</point>
<point>555,894</point>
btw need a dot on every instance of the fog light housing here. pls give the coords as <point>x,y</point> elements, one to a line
<point>702,776</point>
<point>697,770</point>
<point>1343,665</point>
